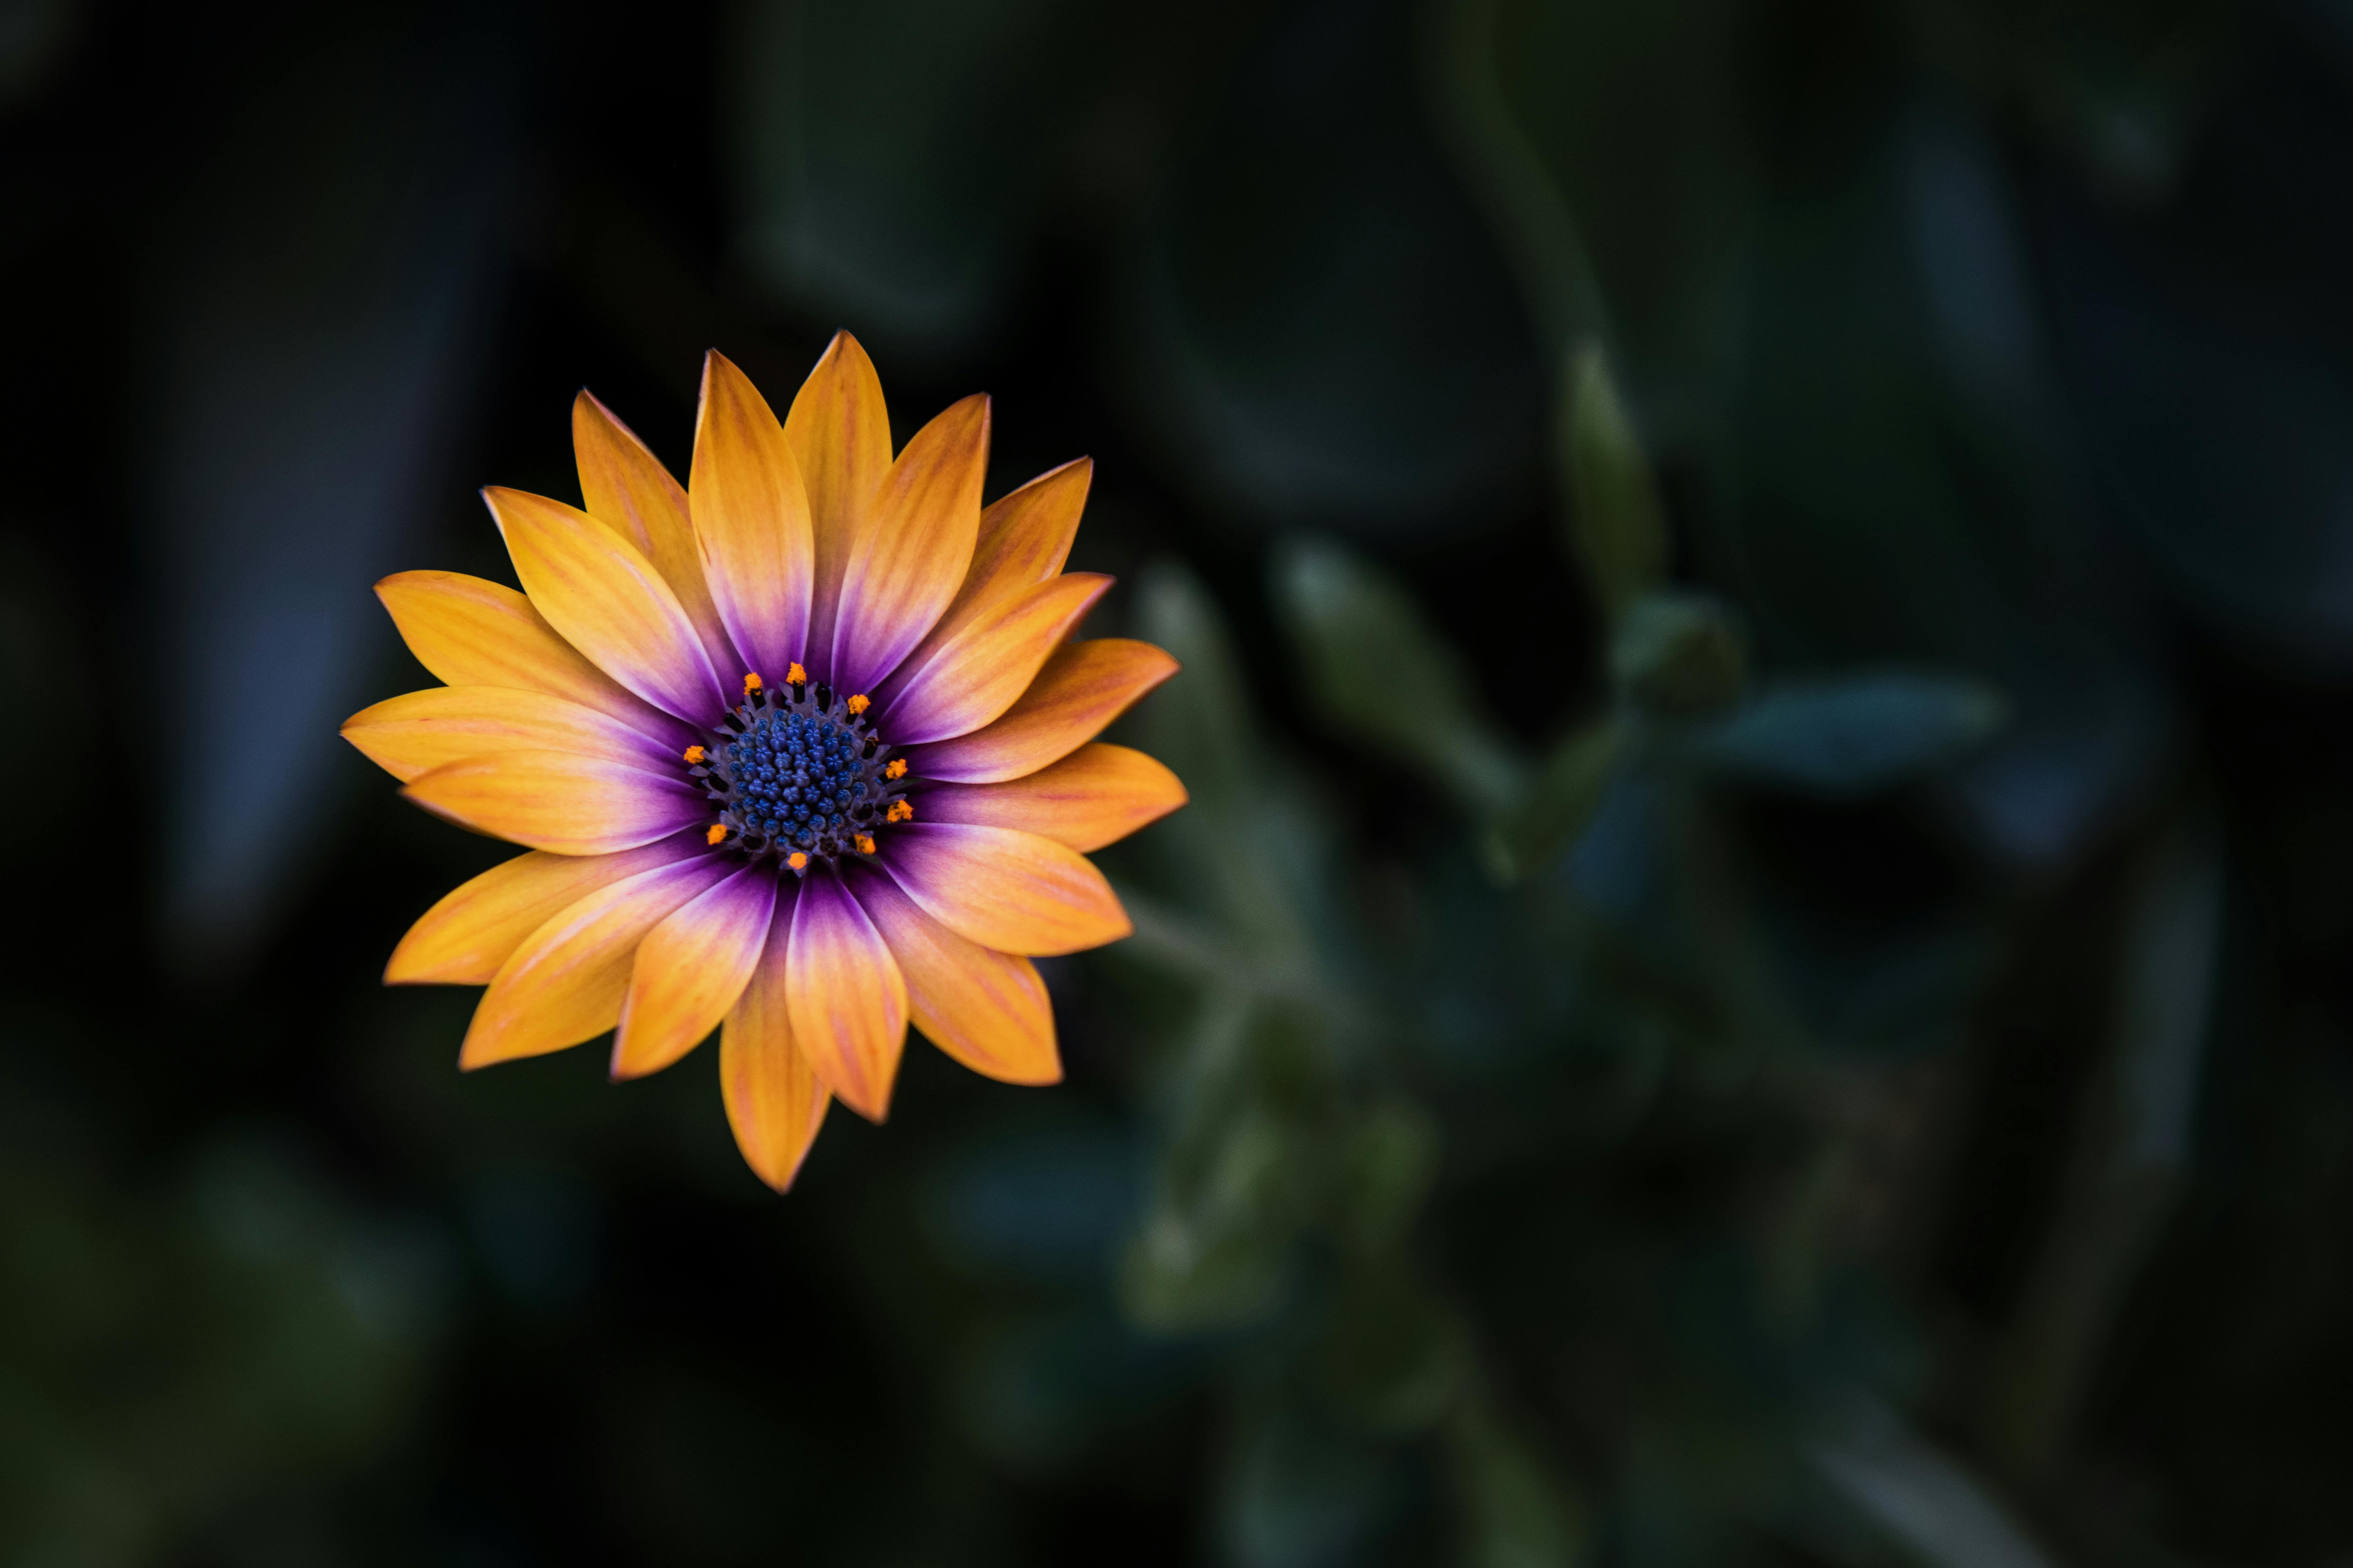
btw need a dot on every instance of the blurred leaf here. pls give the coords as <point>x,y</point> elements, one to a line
<point>1567,791</point>
<point>1200,723</point>
<point>1303,1495</point>
<point>1680,656</point>
<point>1515,1512</point>
<point>1845,738</point>
<point>1914,1492</point>
<point>1391,1353</point>
<point>1383,674</point>
<point>167,1363</point>
<point>1385,1167</point>
<point>1319,326</point>
<point>322,306</point>
<point>1617,529</point>
<point>892,158</point>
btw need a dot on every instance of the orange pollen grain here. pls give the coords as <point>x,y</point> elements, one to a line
<point>751,684</point>
<point>899,812</point>
<point>694,755</point>
<point>897,770</point>
<point>866,844</point>
<point>795,675</point>
<point>859,704</point>
<point>797,860</point>
<point>717,835</point>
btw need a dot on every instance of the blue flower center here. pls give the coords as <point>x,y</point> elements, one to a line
<point>795,773</point>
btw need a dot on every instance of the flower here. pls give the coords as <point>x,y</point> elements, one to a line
<point>802,752</point>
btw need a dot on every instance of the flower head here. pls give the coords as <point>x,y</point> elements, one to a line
<point>802,752</point>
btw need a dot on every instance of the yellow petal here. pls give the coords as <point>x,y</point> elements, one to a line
<point>988,1010</point>
<point>775,1101</point>
<point>606,600</point>
<point>462,940</point>
<point>840,436</point>
<point>566,983</point>
<point>1014,891</point>
<point>907,562</point>
<point>846,996</point>
<point>691,969</point>
<point>976,675</point>
<point>413,735</point>
<point>560,801</point>
<point>1084,687</point>
<point>1024,539</point>
<point>626,488</point>
<point>1096,796</point>
<point>752,520</point>
<point>472,632</point>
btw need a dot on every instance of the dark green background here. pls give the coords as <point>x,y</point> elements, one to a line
<point>1757,974</point>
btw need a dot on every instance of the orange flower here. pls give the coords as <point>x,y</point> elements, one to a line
<point>801,751</point>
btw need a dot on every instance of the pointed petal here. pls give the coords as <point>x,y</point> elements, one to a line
<point>1084,687</point>
<point>560,801</point>
<point>413,735</point>
<point>840,436</point>
<point>775,1101</point>
<point>846,997</point>
<point>907,562</point>
<point>752,520</point>
<point>988,1010</point>
<point>606,600</point>
<point>462,940</point>
<point>469,631</point>
<point>1024,539</point>
<point>1096,796</point>
<point>976,676</point>
<point>566,983</point>
<point>1014,891</point>
<point>691,969</point>
<point>626,488</point>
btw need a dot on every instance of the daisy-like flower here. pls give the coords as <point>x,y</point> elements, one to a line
<point>802,752</point>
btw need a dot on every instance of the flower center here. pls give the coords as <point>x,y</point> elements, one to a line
<point>799,775</point>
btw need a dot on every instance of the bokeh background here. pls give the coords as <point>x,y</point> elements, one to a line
<point>1758,973</point>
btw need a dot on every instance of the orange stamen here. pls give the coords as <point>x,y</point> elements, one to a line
<point>797,860</point>
<point>866,844</point>
<point>751,684</point>
<point>717,835</point>
<point>899,812</point>
<point>897,770</point>
<point>694,755</point>
<point>795,675</point>
<point>859,704</point>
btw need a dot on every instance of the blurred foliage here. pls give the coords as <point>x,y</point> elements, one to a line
<point>1756,970</point>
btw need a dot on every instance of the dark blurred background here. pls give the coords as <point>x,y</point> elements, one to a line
<point>1758,971</point>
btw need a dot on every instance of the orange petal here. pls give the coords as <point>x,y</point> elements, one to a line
<point>472,632</point>
<point>1024,539</point>
<point>1084,685</point>
<point>691,969</point>
<point>988,1010</point>
<point>753,521</point>
<point>976,675</point>
<point>1014,891</point>
<point>626,488</point>
<point>462,940</point>
<point>907,562</point>
<point>566,983</point>
<point>846,997</point>
<point>425,730</point>
<point>840,436</point>
<point>606,599</point>
<point>775,1101</point>
<point>1096,796</point>
<point>560,801</point>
